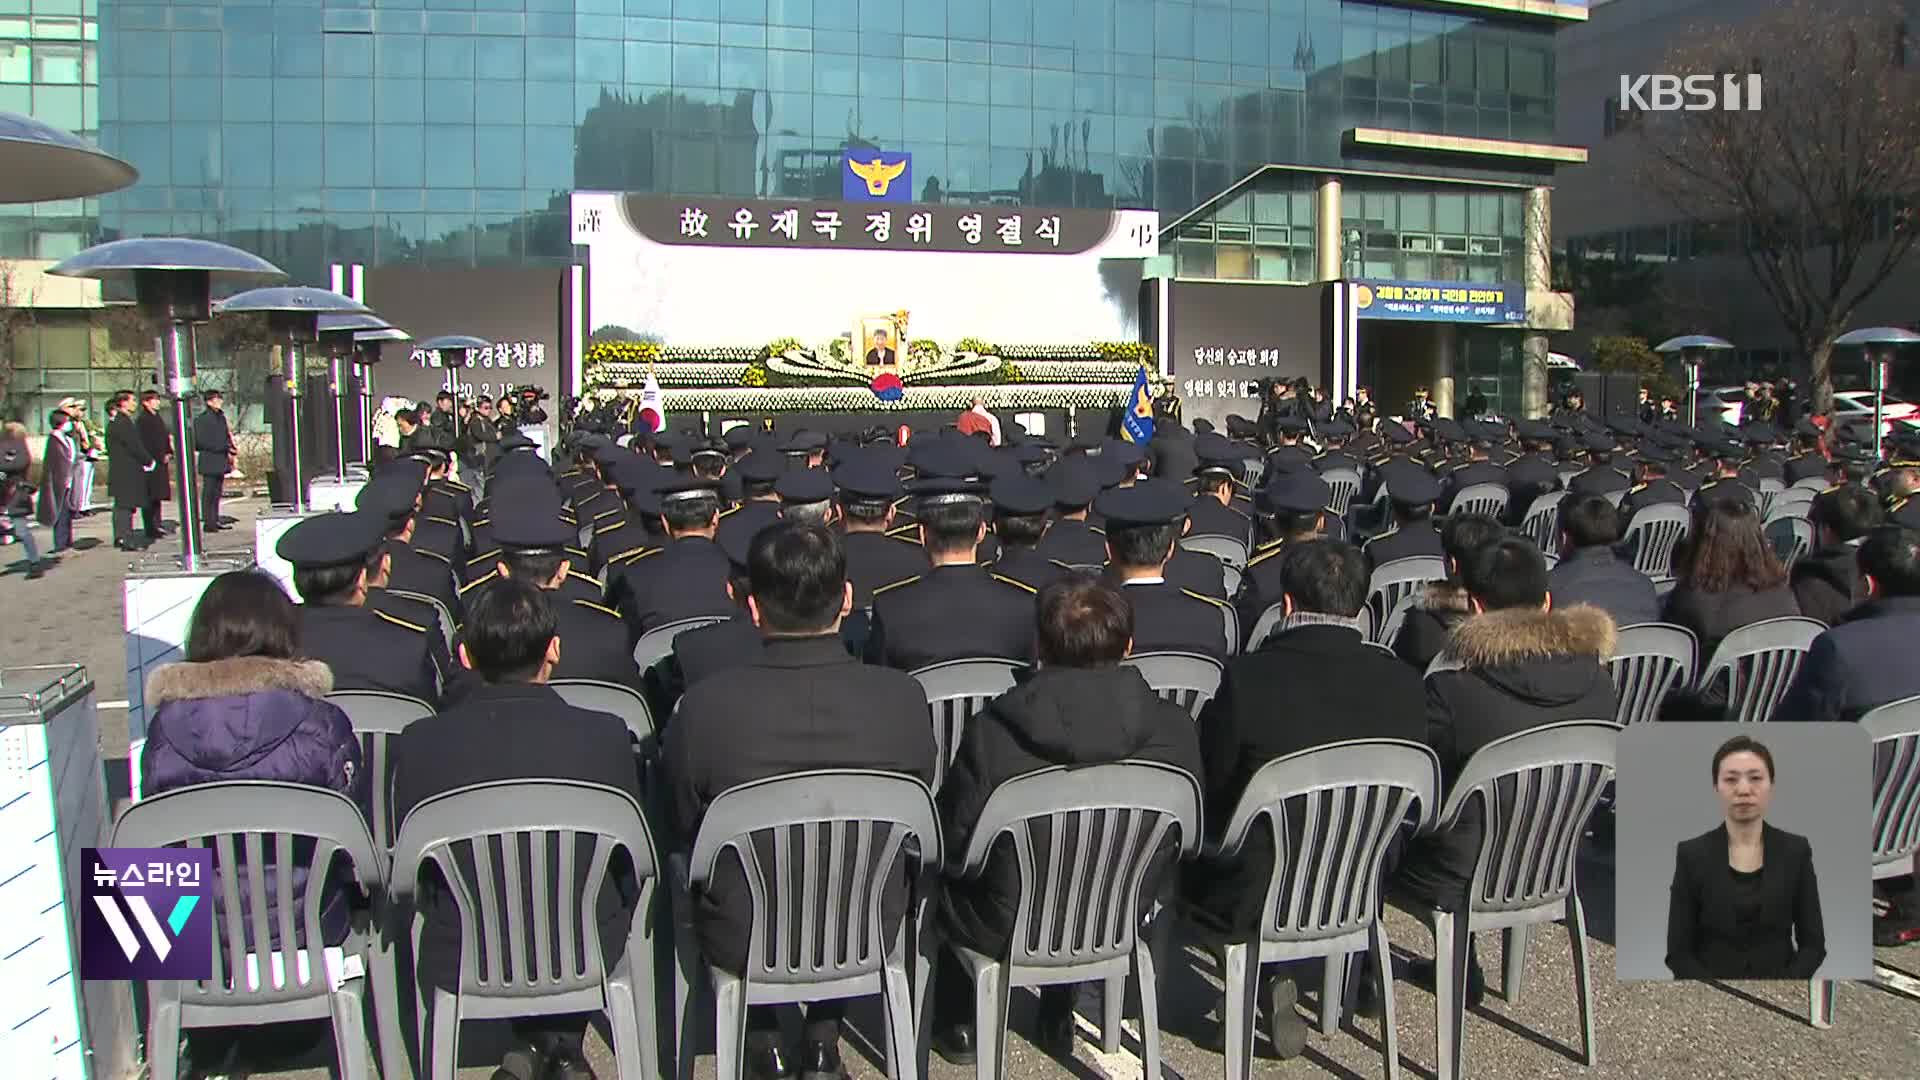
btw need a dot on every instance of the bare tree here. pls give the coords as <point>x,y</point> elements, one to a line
<point>1822,178</point>
<point>15,315</point>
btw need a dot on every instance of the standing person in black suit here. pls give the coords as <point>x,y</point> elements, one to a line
<point>512,726</point>
<point>55,505</point>
<point>213,457</point>
<point>1745,903</point>
<point>836,714</point>
<point>157,437</point>
<point>128,464</point>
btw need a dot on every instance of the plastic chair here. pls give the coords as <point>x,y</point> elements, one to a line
<point>1349,800</point>
<point>622,701</point>
<point>1189,680</point>
<point>956,691</point>
<point>1230,576</point>
<point>849,827</point>
<point>1813,484</point>
<point>1792,503</point>
<point>1759,661</point>
<point>377,716</point>
<point>1664,585</point>
<point>1542,523</point>
<point>1231,553</point>
<point>1652,535</point>
<point>272,829</point>
<point>1895,730</point>
<point>511,965</point>
<point>1650,661</point>
<point>1231,628</point>
<point>1399,579</point>
<point>1769,490</point>
<point>1266,625</point>
<point>1489,499</point>
<point>1252,471</point>
<point>657,644</point>
<point>1342,486</point>
<point>1536,790</point>
<point>1791,537</point>
<point>440,611</point>
<point>1397,618</point>
<point>1552,560</point>
<point>1088,894</point>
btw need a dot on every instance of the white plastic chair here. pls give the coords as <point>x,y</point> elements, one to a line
<point>1791,537</point>
<point>1650,661</point>
<point>1342,486</point>
<point>1189,680</point>
<point>1231,553</point>
<point>956,692</point>
<point>622,701</point>
<point>377,716</point>
<point>1396,580</point>
<point>1489,499</point>
<point>1535,791</point>
<point>657,644</point>
<point>1542,523</point>
<point>1652,535</point>
<point>1759,661</point>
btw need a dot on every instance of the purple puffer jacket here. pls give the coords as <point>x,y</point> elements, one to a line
<point>254,718</point>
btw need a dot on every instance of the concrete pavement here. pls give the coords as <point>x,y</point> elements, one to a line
<point>1644,1031</point>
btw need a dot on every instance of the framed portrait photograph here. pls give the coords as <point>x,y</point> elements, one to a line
<point>879,341</point>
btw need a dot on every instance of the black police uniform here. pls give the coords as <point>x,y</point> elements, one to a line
<point>1212,519</point>
<point>414,570</point>
<point>420,613</point>
<point>440,537</point>
<point>1026,566</point>
<point>1166,616</point>
<point>367,648</point>
<point>1471,473</point>
<point>951,613</point>
<point>1725,490</point>
<point>1287,456</point>
<point>746,520</point>
<point>1197,571</point>
<point>1337,459</point>
<point>1074,543</point>
<point>1291,493</point>
<point>1652,493</point>
<point>623,536</point>
<point>875,560</point>
<point>1599,480</point>
<point>1530,476</point>
<point>1806,466</point>
<point>686,578</point>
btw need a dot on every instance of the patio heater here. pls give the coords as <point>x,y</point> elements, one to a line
<point>452,352</point>
<point>337,334</point>
<point>39,163</point>
<point>1693,350</point>
<point>293,312</point>
<point>366,354</point>
<point>173,280</point>
<point>1880,344</point>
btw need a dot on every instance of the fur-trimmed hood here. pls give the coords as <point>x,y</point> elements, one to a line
<point>1520,635</point>
<point>236,677</point>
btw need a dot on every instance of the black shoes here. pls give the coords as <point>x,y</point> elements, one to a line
<point>821,1061</point>
<point>1054,1025</point>
<point>767,1060</point>
<point>1421,973</point>
<point>524,1062</point>
<point>955,1044</point>
<point>1286,1028</point>
<point>568,1067</point>
<point>37,570</point>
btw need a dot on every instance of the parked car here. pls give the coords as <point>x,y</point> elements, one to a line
<point>1852,405</point>
<point>1723,403</point>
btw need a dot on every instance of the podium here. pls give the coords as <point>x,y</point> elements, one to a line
<point>53,802</point>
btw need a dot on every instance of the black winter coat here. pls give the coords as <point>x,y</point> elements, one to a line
<point>1713,615</point>
<point>1423,633</point>
<point>1523,668</point>
<point>1828,584</point>
<point>127,460</point>
<point>157,437</point>
<point>1057,716</point>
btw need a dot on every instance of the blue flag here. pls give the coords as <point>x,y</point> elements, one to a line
<point>1137,425</point>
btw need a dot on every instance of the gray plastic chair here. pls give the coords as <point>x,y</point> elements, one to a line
<point>377,716</point>
<point>1342,486</point>
<point>1567,475</point>
<point>586,535</point>
<point>1542,523</point>
<point>1323,897</point>
<point>1266,625</point>
<point>1252,471</point>
<point>1397,618</point>
<point>1536,790</point>
<point>1664,585</point>
<point>622,701</point>
<point>1230,628</point>
<point>1791,503</point>
<point>1231,553</point>
<point>1489,499</point>
<point>511,964</point>
<point>956,691</point>
<point>1770,489</point>
<point>1652,534</point>
<point>440,611</point>
<point>257,824</point>
<point>809,943</point>
<point>1396,580</point>
<point>1895,730</point>
<point>1812,484</point>
<point>1088,895</point>
<point>1791,537</point>
<point>1650,661</point>
<point>1759,661</point>
<point>1230,576</point>
<point>1189,680</point>
<point>657,644</point>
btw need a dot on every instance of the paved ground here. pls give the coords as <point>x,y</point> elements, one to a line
<point>1645,1031</point>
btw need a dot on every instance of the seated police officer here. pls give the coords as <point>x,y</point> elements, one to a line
<point>1071,539</point>
<point>834,713</point>
<point>333,557</point>
<point>513,727</point>
<point>1213,512</point>
<point>686,578</point>
<point>1020,504</point>
<point>395,493</point>
<point>868,489</point>
<point>1292,508</point>
<point>1412,491</point>
<point>1143,524</point>
<point>956,610</point>
<point>759,470</point>
<point>533,543</point>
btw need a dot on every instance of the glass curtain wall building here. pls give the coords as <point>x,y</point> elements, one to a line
<point>450,132</point>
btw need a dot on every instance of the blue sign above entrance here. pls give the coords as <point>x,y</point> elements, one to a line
<point>1440,301</point>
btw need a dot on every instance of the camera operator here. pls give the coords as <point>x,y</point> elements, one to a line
<point>482,439</point>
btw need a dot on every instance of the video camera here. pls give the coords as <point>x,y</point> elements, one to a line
<point>528,399</point>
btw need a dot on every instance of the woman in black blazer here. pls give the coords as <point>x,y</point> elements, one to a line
<point>1745,903</point>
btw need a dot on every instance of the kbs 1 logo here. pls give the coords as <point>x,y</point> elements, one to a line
<point>1693,93</point>
<point>146,913</point>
